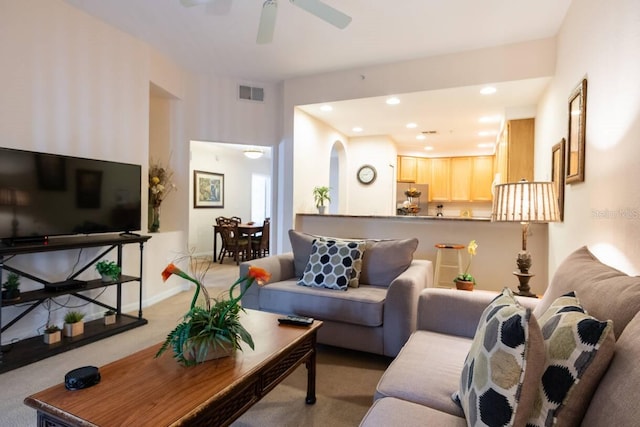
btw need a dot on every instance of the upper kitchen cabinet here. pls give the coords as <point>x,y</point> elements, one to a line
<point>482,178</point>
<point>423,173</point>
<point>440,187</point>
<point>514,153</point>
<point>407,169</point>
<point>461,171</point>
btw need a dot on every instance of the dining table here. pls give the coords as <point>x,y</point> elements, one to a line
<point>249,229</point>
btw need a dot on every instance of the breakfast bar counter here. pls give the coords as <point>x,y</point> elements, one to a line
<point>498,242</point>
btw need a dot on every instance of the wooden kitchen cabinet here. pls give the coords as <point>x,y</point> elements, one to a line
<point>514,153</point>
<point>460,173</point>
<point>407,169</point>
<point>440,190</point>
<point>423,173</point>
<point>482,178</point>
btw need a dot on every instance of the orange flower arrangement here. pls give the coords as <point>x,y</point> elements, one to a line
<point>214,325</point>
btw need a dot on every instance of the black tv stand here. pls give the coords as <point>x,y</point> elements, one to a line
<point>129,234</point>
<point>32,349</point>
<point>17,241</point>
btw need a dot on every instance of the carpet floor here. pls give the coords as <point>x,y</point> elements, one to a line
<point>345,381</point>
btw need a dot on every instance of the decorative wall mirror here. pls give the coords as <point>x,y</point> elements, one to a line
<point>557,173</point>
<point>576,135</point>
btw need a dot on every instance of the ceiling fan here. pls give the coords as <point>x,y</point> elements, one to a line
<point>270,7</point>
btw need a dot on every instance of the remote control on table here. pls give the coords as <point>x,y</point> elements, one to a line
<point>296,320</point>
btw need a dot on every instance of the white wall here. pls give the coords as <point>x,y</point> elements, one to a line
<point>599,41</point>
<point>75,86</point>
<point>504,63</point>
<point>237,170</point>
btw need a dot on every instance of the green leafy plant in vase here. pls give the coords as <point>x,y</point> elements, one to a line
<point>73,323</point>
<point>320,196</point>
<point>109,270</point>
<point>11,288</point>
<point>211,330</point>
<point>466,281</point>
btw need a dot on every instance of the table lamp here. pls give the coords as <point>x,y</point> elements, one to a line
<point>525,202</point>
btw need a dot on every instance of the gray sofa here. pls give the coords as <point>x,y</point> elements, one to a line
<point>417,387</point>
<point>378,316</point>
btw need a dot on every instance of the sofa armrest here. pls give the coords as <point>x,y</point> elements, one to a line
<point>400,307</point>
<point>279,266</point>
<point>453,312</point>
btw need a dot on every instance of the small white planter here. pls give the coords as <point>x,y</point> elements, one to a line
<point>109,319</point>
<point>73,329</point>
<point>52,337</point>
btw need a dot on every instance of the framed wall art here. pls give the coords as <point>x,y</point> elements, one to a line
<point>557,173</point>
<point>208,190</point>
<point>577,133</point>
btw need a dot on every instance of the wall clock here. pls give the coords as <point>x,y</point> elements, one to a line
<point>366,174</point>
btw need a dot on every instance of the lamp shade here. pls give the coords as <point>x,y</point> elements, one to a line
<point>525,201</point>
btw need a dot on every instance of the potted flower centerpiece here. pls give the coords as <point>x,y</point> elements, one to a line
<point>109,270</point>
<point>213,329</point>
<point>466,281</point>
<point>51,334</point>
<point>11,288</point>
<point>160,185</point>
<point>321,195</point>
<point>73,323</point>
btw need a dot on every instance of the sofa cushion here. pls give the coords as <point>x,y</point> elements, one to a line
<point>578,351</point>
<point>302,243</point>
<point>331,263</point>
<point>384,260</point>
<point>360,306</point>
<point>614,402</point>
<point>503,367</point>
<point>390,411</point>
<point>605,292</point>
<point>426,371</point>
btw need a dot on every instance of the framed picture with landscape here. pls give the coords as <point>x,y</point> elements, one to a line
<point>208,190</point>
<point>577,133</point>
<point>557,173</point>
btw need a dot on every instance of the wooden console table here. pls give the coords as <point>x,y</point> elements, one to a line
<point>140,390</point>
<point>30,350</point>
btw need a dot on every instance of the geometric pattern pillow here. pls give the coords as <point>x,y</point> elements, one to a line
<point>578,351</point>
<point>503,367</point>
<point>354,279</point>
<point>330,264</point>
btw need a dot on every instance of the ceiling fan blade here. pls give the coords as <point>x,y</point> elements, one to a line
<point>189,3</point>
<point>267,22</point>
<point>324,12</point>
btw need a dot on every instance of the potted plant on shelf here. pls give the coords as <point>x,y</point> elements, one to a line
<point>213,329</point>
<point>466,281</point>
<point>321,195</point>
<point>73,323</point>
<point>109,270</point>
<point>109,317</point>
<point>11,288</point>
<point>52,334</point>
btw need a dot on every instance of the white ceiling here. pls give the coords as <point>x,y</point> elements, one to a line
<point>219,39</point>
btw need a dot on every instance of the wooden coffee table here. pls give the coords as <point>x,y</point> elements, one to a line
<point>140,390</point>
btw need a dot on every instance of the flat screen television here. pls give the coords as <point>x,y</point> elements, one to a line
<point>44,195</point>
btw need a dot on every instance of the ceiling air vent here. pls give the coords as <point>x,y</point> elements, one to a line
<point>251,93</point>
<point>429,132</point>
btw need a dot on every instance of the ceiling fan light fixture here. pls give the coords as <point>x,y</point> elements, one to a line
<point>253,153</point>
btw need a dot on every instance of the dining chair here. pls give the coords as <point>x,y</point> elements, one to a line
<point>260,246</point>
<point>232,244</point>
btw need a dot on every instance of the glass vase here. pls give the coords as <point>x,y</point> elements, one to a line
<point>154,219</point>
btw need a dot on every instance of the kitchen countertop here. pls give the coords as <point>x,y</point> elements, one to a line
<point>404,217</point>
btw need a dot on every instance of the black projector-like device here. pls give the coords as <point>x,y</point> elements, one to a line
<point>80,378</point>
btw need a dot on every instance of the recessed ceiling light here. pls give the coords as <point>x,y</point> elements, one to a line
<point>421,136</point>
<point>485,145</point>
<point>428,148</point>
<point>326,108</point>
<point>490,119</point>
<point>357,129</point>
<point>487,133</point>
<point>488,90</point>
<point>253,153</point>
<point>393,101</point>
<point>412,125</point>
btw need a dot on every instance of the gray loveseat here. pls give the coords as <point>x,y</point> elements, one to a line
<point>416,389</point>
<point>378,316</point>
